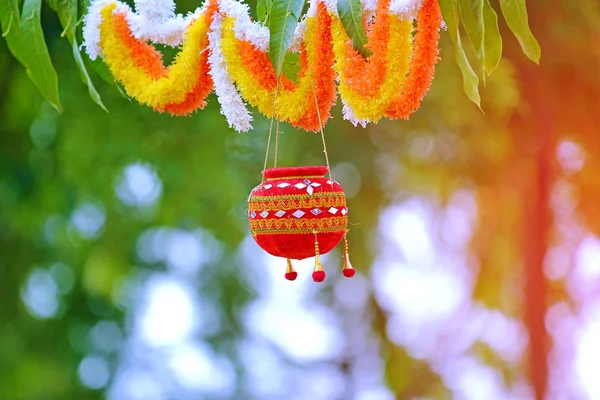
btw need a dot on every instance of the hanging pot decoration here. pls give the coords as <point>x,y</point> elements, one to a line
<point>297,213</point>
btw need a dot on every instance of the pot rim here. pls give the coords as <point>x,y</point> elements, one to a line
<point>292,172</point>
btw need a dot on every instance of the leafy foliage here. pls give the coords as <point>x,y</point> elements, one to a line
<point>480,22</point>
<point>470,79</point>
<point>471,14</point>
<point>351,15</point>
<point>515,13</point>
<point>282,24</point>
<point>23,33</point>
<point>68,15</point>
<point>263,9</point>
<point>492,38</point>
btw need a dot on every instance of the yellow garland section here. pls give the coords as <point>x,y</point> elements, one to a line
<point>398,56</point>
<point>171,88</point>
<point>291,105</point>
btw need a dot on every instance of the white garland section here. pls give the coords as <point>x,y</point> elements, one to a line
<point>405,8</point>
<point>91,27</point>
<point>153,20</point>
<point>232,105</point>
<point>244,28</point>
<point>156,21</point>
<point>349,115</point>
<point>256,33</point>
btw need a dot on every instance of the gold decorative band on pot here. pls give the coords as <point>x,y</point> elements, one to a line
<point>302,225</point>
<point>271,204</point>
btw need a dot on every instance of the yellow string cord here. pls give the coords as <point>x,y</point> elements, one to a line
<point>276,144</point>
<point>321,128</point>
<point>277,131</point>
<point>270,132</point>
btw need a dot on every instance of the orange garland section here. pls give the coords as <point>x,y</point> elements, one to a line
<point>366,76</point>
<point>260,67</point>
<point>197,98</point>
<point>141,68</point>
<point>422,66</point>
<point>255,77</point>
<point>145,56</point>
<point>323,75</point>
<point>368,86</point>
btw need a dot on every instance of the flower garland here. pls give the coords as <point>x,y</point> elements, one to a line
<point>232,104</point>
<point>369,85</point>
<point>422,65</point>
<point>155,21</point>
<point>252,72</point>
<point>222,48</point>
<point>180,89</point>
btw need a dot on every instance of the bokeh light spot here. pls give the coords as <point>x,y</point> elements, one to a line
<point>169,315</point>
<point>40,294</point>
<point>106,336</point>
<point>88,219</point>
<point>570,156</point>
<point>198,369</point>
<point>93,372</point>
<point>139,185</point>
<point>63,276</point>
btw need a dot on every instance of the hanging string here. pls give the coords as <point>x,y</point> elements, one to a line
<point>321,127</point>
<point>277,131</point>
<point>271,131</point>
<point>276,144</point>
<point>267,152</point>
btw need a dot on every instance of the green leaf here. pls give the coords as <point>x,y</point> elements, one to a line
<point>39,65</point>
<point>85,77</point>
<point>83,6</point>
<point>263,9</point>
<point>282,24</point>
<point>25,40</point>
<point>470,81</point>
<point>351,15</point>
<point>9,18</point>
<point>104,72</point>
<point>515,13</point>
<point>492,39</point>
<point>471,13</point>
<point>291,65</point>
<point>67,14</point>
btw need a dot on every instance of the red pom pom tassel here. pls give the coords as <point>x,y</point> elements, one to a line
<point>290,274</point>
<point>348,272</point>
<point>348,269</point>
<point>318,276</point>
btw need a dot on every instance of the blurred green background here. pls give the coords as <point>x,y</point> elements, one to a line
<point>127,270</point>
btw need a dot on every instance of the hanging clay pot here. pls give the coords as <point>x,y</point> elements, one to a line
<point>297,213</point>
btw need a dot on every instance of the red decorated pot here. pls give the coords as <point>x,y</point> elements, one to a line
<point>297,213</point>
